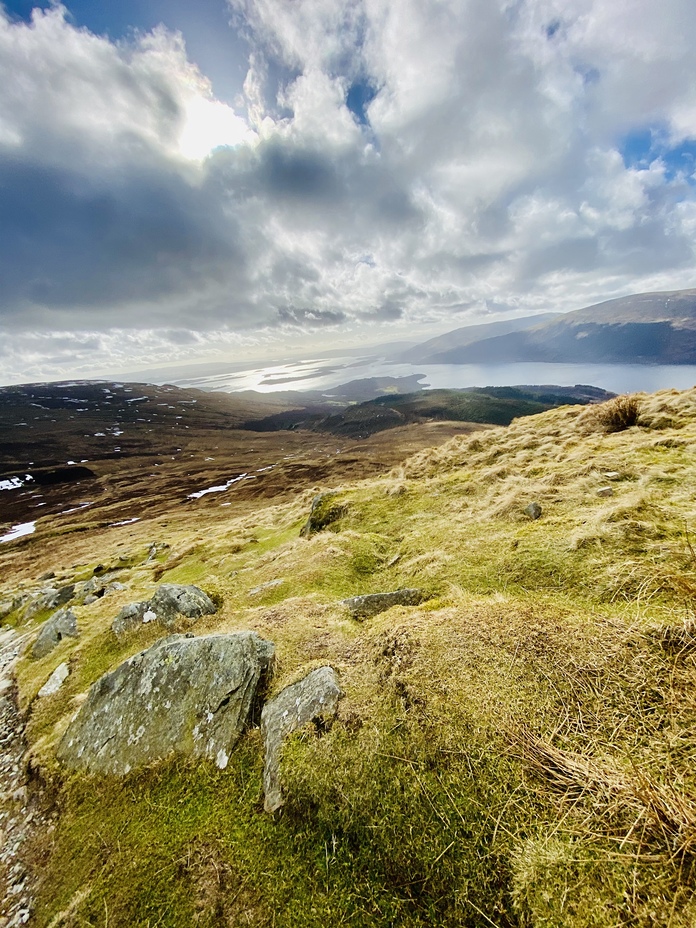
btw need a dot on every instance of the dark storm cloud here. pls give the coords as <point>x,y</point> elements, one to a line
<point>73,245</point>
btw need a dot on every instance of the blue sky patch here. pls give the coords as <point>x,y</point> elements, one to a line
<point>641,147</point>
<point>360,95</point>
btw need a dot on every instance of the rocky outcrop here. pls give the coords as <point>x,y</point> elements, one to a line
<point>326,508</point>
<point>314,697</point>
<point>363,607</point>
<point>184,695</point>
<point>62,624</point>
<point>169,602</point>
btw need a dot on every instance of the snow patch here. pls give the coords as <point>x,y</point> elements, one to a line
<point>219,489</point>
<point>18,531</point>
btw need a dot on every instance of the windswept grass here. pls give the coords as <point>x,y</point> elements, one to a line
<point>516,751</point>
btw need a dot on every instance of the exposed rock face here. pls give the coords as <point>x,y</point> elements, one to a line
<point>314,697</point>
<point>533,510</point>
<point>170,601</point>
<point>184,695</point>
<point>62,624</point>
<point>325,509</point>
<point>363,607</point>
<point>56,680</point>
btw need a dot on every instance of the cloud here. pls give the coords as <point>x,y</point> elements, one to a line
<point>384,166</point>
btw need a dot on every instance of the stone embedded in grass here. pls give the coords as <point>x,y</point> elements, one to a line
<point>313,698</point>
<point>55,681</point>
<point>363,607</point>
<point>130,617</point>
<point>325,510</point>
<point>533,510</point>
<point>169,602</point>
<point>173,599</point>
<point>47,598</point>
<point>264,587</point>
<point>62,624</point>
<point>183,696</point>
<point>605,491</point>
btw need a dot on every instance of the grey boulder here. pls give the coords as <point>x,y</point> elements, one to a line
<point>533,511</point>
<point>170,601</point>
<point>314,697</point>
<point>363,607</point>
<point>183,696</point>
<point>48,598</point>
<point>62,624</point>
<point>128,618</point>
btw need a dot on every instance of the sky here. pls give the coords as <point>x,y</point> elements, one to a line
<point>201,180</point>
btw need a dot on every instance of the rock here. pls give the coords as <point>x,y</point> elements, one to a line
<point>605,491</point>
<point>533,510</point>
<point>114,587</point>
<point>62,624</point>
<point>47,598</point>
<point>612,475</point>
<point>55,681</point>
<point>325,510</point>
<point>169,601</point>
<point>128,618</point>
<point>315,697</point>
<point>6,607</point>
<point>362,607</point>
<point>172,599</point>
<point>256,590</point>
<point>49,575</point>
<point>185,696</point>
<point>89,599</point>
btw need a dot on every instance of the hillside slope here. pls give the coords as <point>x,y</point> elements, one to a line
<point>645,328</point>
<point>430,351</point>
<point>517,750</point>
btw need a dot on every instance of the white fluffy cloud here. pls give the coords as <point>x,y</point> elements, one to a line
<point>426,161</point>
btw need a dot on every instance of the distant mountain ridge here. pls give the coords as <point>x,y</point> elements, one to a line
<point>644,328</point>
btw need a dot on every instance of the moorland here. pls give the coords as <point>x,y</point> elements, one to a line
<point>514,749</point>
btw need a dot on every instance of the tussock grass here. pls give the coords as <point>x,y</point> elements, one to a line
<point>517,751</point>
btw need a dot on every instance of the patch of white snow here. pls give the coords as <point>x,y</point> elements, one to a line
<point>18,531</point>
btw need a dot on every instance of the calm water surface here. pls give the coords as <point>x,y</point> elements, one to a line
<point>327,373</point>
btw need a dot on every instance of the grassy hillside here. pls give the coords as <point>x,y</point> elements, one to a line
<point>516,751</point>
<point>483,405</point>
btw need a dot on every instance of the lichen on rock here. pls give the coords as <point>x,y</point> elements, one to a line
<point>184,695</point>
